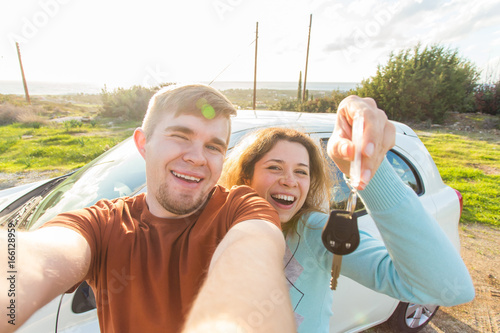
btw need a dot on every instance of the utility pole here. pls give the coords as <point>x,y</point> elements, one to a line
<point>255,68</point>
<point>22,73</point>
<point>307,58</point>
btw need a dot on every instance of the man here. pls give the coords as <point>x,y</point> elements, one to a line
<point>146,257</point>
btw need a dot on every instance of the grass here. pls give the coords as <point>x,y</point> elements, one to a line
<point>30,141</point>
<point>55,147</point>
<point>471,166</point>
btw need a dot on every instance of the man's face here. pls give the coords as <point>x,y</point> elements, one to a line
<point>184,158</point>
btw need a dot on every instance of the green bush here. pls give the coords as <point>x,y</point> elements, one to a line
<point>314,105</point>
<point>285,105</point>
<point>325,104</point>
<point>423,84</point>
<point>487,98</point>
<point>72,123</point>
<point>127,104</point>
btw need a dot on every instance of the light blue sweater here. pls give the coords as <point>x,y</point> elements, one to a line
<point>418,263</point>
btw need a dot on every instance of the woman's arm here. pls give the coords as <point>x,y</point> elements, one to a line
<point>416,261</point>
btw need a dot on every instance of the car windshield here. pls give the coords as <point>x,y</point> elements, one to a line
<point>119,172</point>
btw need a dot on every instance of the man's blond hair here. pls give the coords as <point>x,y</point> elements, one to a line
<point>193,99</point>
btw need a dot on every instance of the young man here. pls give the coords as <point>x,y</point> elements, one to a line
<point>147,257</point>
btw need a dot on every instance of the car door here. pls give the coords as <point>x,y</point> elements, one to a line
<point>356,307</point>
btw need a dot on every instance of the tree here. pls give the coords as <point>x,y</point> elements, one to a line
<point>422,84</point>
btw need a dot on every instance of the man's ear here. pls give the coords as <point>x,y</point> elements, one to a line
<point>140,141</point>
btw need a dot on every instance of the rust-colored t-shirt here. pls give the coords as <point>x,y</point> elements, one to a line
<point>146,271</point>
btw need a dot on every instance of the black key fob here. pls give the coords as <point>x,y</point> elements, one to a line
<point>340,234</point>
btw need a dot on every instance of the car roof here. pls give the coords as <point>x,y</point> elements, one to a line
<point>249,119</point>
<point>246,120</point>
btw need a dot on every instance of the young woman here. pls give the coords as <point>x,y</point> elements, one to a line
<point>286,167</point>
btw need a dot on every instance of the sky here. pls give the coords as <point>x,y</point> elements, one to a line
<point>122,42</point>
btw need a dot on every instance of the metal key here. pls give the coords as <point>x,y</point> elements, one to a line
<point>336,264</point>
<point>341,235</point>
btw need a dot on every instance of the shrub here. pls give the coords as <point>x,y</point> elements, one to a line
<point>285,105</point>
<point>72,123</point>
<point>8,114</point>
<point>28,115</point>
<point>127,104</point>
<point>323,104</point>
<point>422,84</point>
<point>487,98</point>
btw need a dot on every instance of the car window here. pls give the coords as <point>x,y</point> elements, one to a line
<point>340,190</point>
<point>405,171</point>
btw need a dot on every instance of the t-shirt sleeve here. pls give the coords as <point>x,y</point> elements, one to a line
<point>246,205</point>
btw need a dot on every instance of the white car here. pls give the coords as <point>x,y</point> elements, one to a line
<point>120,172</point>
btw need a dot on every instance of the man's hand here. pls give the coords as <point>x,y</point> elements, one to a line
<point>379,136</point>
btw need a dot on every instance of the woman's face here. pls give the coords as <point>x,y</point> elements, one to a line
<point>282,177</point>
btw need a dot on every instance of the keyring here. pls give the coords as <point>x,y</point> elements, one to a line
<point>351,201</point>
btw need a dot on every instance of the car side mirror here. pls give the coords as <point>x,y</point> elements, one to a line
<point>84,299</point>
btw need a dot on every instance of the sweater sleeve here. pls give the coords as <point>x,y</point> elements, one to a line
<point>416,262</point>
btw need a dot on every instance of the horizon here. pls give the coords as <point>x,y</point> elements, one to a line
<point>14,87</point>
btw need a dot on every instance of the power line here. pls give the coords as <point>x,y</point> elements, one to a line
<point>232,62</point>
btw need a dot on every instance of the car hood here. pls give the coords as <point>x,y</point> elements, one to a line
<point>404,129</point>
<point>10,195</point>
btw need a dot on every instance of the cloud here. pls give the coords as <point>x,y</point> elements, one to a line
<point>380,25</point>
<point>191,39</point>
<point>468,18</point>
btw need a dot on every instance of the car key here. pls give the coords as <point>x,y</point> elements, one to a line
<point>336,264</point>
<point>340,236</point>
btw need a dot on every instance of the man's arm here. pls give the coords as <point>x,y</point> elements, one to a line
<point>48,262</point>
<point>245,290</point>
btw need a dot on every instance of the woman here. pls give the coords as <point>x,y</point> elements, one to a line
<point>287,168</point>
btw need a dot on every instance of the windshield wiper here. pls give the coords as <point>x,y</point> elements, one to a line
<point>41,190</point>
<point>19,218</point>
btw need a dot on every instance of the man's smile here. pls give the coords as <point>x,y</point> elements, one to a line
<point>187,177</point>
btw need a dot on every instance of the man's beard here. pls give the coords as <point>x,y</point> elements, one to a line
<point>178,204</point>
